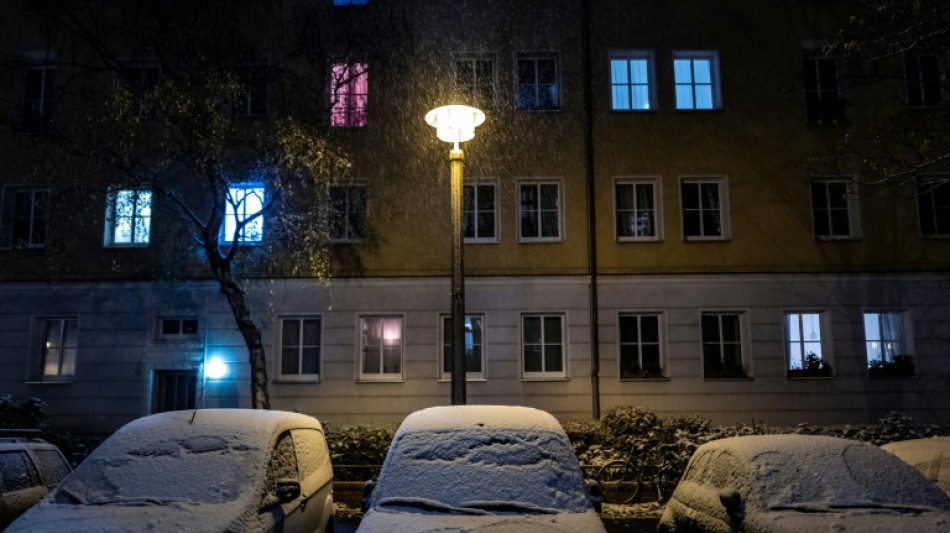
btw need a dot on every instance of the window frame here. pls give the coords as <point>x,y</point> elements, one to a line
<point>627,56</point>
<point>656,183</point>
<point>332,212</point>
<point>352,109</point>
<point>300,346</point>
<point>536,56</point>
<point>538,183</point>
<point>8,217</point>
<point>39,349</point>
<point>544,375</point>
<point>181,326</point>
<point>725,227</point>
<point>475,211</point>
<point>469,90</point>
<point>924,182</point>
<point>444,347</point>
<point>818,95</point>
<point>112,215</point>
<point>380,377</point>
<point>905,322</point>
<point>744,369</point>
<point>244,186</point>
<point>660,343</point>
<point>712,56</point>
<point>915,80</point>
<point>254,76</point>
<point>825,343</point>
<point>350,2</point>
<point>141,85</point>
<point>853,206</point>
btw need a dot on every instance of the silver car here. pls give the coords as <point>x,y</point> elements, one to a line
<point>29,469</point>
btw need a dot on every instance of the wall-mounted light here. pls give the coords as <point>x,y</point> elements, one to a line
<point>216,368</point>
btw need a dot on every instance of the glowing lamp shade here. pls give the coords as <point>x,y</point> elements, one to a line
<point>216,368</point>
<point>455,123</point>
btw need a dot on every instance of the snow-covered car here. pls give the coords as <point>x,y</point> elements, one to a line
<point>479,468</point>
<point>29,469</point>
<point>232,470</point>
<point>795,483</point>
<point>931,457</point>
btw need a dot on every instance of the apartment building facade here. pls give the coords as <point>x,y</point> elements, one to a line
<point>642,227</point>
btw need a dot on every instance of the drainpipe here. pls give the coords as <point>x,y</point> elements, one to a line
<point>591,218</point>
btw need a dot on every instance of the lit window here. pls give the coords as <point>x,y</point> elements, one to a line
<point>538,83</point>
<point>922,72</point>
<point>722,346</point>
<point>128,217</point>
<point>631,81</point>
<point>803,345</point>
<point>243,214</point>
<point>380,348</point>
<point>25,214</point>
<point>540,212</point>
<point>474,347</point>
<point>637,210</point>
<point>696,78</point>
<point>58,349</point>
<point>886,343</point>
<point>835,209</point>
<point>705,210</point>
<point>641,354</point>
<point>300,347</point>
<point>824,98</point>
<point>349,93</point>
<point>542,345</point>
<point>933,206</point>
<point>347,212</point>
<point>475,79</point>
<point>478,212</point>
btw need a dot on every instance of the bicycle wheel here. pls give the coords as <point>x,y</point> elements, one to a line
<point>619,482</point>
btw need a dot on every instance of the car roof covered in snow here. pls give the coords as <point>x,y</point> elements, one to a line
<point>930,456</point>
<point>251,425</point>
<point>482,416</point>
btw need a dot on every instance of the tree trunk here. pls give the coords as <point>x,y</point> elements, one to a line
<point>260,398</point>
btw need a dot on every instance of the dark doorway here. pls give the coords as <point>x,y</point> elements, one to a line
<point>174,390</point>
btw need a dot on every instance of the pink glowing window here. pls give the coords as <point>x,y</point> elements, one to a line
<point>349,90</point>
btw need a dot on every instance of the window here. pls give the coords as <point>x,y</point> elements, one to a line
<point>475,79</point>
<point>350,2</point>
<point>478,212</point>
<point>538,85</point>
<point>803,345</point>
<point>641,354</point>
<point>835,208</point>
<point>57,348</point>
<point>542,345</point>
<point>824,98</point>
<point>887,347</point>
<point>631,81</point>
<point>474,347</point>
<point>177,328</point>
<point>36,6</point>
<point>38,98</point>
<point>540,212</point>
<point>252,101</point>
<point>722,346</point>
<point>347,212</point>
<point>300,342</point>
<point>922,71</point>
<point>380,348</point>
<point>705,209</point>
<point>696,78</point>
<point>349,93</point>
<point>25,211</point>
<point>637,209</point>
<point>933,206</point>
<point>174,390</point>
<point>243,219</point>
<point>141,79</point>
<point>128,217</point>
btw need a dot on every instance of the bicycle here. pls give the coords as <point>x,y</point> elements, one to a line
<point>623,480</point>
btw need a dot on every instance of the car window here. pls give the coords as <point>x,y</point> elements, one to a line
<point>282,465</point>
<point>311,450</point>
<point>722,471</point>
<point>52,466</point>
<point>14,471</point>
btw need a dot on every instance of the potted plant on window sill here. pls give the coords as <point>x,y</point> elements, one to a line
<point>814,367</point>
<point>899,366</point>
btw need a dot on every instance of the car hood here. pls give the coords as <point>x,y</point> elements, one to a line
<point>401,522</point>
<point>853,520</point>
<point>173,517</point>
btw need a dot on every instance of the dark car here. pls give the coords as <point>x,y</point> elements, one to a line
<point>29,469</point>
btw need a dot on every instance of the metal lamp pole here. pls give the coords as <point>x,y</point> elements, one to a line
<point>455,124</point>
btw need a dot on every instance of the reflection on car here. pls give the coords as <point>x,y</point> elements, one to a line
<point>794,483</point>
<point>209,470</point>
<point>931,457</point>
<point>480,468</point>
<point>29,469</point>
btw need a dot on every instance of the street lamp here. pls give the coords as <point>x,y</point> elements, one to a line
<point>455,124</point>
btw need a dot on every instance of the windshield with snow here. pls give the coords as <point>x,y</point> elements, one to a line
<point>482,471</point>
<point>199,469</point>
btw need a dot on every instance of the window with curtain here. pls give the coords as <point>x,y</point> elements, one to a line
<point>803,345</point>
<point>58,349</point>
<point>349,94</point>
<point>129,217</point>
<point>380,348</point>
<point>540,211</point>
<point>637,210</point>
<point>884,336</point>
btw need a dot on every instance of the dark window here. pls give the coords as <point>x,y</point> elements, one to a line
<point>636,210</point>
<point>474,345</point>
<point>722,346</point>
<point>923,79</point>
<point>640,355</point>
<point>141,81</point>
<point>538,83</point>
<point>347,212</point>
<point>25,215</point>
<point>933,202</point>
<point>475,80</point>
<point>38,97</point>
<point>824,100</point>
<point>15,472</point>
<point>540,211</point>
<point>830,209</point>
<point>478,211</point>
<point>179,327</point>
<point>702,211</point>
<point>253,98</point>
<point>300,346</point>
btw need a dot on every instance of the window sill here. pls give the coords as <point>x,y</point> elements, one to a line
<point>284,380</point>
<point>542,240</point>
<point>700,238</point>
<point>467,380</point>
<point>400,379</point>
<point>481,241</point>
<point>657,379</point>
<point>69,381</point>
<point>541,379</point>
<point>836,238</point>
<point>639,240</point>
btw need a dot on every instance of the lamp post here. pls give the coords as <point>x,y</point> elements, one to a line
<point>456,124</point>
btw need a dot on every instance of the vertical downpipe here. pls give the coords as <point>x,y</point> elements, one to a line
<point>591,218</point>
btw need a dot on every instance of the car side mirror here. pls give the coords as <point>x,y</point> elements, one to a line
<point>594,495</point>
<point>288,490</point>
<point>368,489</point>
<point>732,501</point>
